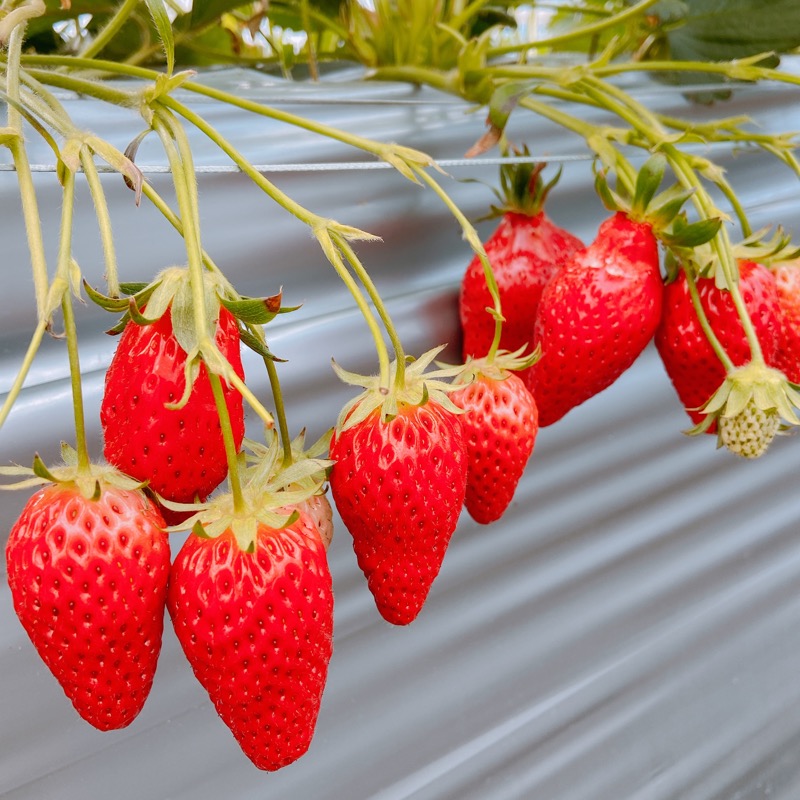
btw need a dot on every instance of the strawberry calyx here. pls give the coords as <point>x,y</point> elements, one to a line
<point>89,480</point>
<point>522,188</point>
<point>416,389</point>
<point>771,252</point>
<point>503,364</point>
<point>750,407</point>
<point>661,211</point>
<point>268,494</point>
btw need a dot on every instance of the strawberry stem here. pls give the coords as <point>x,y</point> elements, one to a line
<point>70,327</point>
<point>30,208</point>
<point>471,235</point>
<point>702,318</point>
<point>103,221</point>
<point>591,29</point>
<point>234,481</point>
<point>111,29</point>
<point>331,248</point>
<point>22,373</point>
<point>280,412</point>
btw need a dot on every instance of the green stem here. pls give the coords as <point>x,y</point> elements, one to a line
<point>234,480</point>
<point>702,318</point>
<point>22,373</point>
<point>578,33</point>
<point>625,172</point>
<point>471,235</point>
<point>103,221</point>
<point>346,248</point>
<point>70,328</point>
<point>194,256</point>
<point>459,21</point>
<point>379,149</point>
<point>27,190</point>
<point>280,412</point>
<point>110,30</point>
<point>294,208</point>
<point>334,255</point>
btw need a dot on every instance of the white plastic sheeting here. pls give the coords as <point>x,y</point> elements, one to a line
<point>628,630</point>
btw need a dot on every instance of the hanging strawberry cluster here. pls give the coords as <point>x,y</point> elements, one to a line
<point>547,321</point>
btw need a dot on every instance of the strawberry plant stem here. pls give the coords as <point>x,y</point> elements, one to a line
<point>30,207</point>
<point>702,318</point>
<point>577,33</point>
<point>280,411</point>
<point>474,241</point>
<point>234,481</point>
<point>22,372</point>
<point>103,221</point>
<point>63,270</point>
<point>111,29</point>
<point>331,248</point>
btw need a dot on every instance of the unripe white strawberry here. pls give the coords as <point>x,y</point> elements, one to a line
<point>750,432</point>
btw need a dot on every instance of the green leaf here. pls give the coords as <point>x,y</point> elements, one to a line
<point>158,10</point>
<point>723,30</point>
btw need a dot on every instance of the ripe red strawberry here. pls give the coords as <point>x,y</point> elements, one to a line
<point>399,486</point>
<point>596,316</point>
<point>525,251</point>
<point>179,452</point>
<point>787,278</point>
<point>88,579</point>
<point>500,424</point>
<point>257,629</point>
<point>695,370</point>
<point>319,510</point>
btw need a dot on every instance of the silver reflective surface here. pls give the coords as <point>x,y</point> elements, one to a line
<point>628,630</point>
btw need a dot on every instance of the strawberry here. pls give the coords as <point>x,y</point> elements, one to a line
<point>787,279</point>
<point>399,481</point>
<point>179,452</point>
<point>692,365</point>
<point>88,577</point>
<point>319,510</point>
<point>596,316</point>
<point>500,424</point>
<point>251,602</point>
<point>525,251</point>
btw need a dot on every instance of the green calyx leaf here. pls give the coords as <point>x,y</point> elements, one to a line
<point>256,310</point>
<point>769,252</point>
<point>503,364</point>
<point>270,490</point>
<point>749,408</point>
<point>683,234</point>
<point>90,481</point>
<point>522,188</point>
<point>418,388</point>
<point>648,179</point>
<point>138,293</point>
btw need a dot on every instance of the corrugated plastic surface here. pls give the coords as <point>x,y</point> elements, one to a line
<point>628,630</point>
